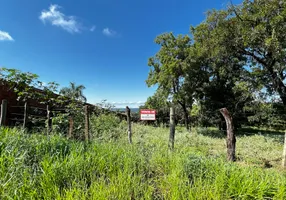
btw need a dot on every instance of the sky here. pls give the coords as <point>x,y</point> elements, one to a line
<point>102,44</point>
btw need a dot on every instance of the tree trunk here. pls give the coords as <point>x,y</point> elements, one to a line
<point>222,124</point>
<point>281,89</point>
<point>277,82</point>
<point>283,100</point>
<point>230,142</point>
<point>186,116</point>
<point>129,124</point>
<point>172,128</point>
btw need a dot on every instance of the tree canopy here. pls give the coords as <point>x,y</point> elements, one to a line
<point>227,60</point>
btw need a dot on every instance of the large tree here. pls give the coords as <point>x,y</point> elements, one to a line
<point>264,41</point>
<point>228,80</point>
<point>169,69</point>
<point>256,30</point>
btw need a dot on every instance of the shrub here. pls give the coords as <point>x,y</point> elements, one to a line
<point>106,127</point>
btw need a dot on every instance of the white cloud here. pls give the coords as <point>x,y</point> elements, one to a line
<point>108,32</point>
<point>5,36</point>
<point>92,28</point>
<point>57,18</point>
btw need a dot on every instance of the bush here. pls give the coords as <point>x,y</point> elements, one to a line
<point>211,132</point>
<point>61,122</point>
<point>106,127</point>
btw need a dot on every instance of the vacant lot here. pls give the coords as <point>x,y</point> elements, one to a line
<point>34,166</point>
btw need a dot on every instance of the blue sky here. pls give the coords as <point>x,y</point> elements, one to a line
<point>102,44</point>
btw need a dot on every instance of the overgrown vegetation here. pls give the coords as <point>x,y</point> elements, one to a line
<point>234,59</point>
<point>106,127</point>
<point>34,166</point>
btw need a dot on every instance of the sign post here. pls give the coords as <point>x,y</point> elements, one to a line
<point>148,115</point>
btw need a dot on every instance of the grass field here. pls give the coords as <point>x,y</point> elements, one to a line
<point>34,166</point>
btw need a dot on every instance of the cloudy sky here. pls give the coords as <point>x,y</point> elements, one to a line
<point>102,44</point>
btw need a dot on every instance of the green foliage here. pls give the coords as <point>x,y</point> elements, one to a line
<point>260,36</point>
<point>74,92</point>
<point>74,110</point>
<point>21,83</point>
<point>61,123</point>
<point>41,167</point>
<point>253,33</point>
<point>174,71</point>
<point>228,84</point>
<point>27,86</point>
<point>106,127</point>
<point>235,53</point>
<point>266,114</point>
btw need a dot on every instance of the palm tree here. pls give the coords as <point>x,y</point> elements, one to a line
<point>74,92</point>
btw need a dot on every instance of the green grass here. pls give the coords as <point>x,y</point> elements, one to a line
<point>34,166</point>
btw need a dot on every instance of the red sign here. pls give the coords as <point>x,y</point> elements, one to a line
<point>147,114</point>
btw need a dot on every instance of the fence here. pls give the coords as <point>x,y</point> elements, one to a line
<point>22,115</point>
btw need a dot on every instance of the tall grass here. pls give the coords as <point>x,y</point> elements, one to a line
<point>34,166</point>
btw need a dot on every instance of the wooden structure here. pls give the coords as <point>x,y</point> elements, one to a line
<point>129,124</point>
<point>16,112</point>
<point>172,128</point>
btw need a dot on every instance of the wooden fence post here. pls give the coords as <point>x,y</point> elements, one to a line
<point>25,121</point>
<point>70,134</point>
<point>172,128</point>
<point>49,120</point>
<point>86,123</point>
<point>284,153</point>
<point>230,141</point>
<point>3,113</point>
<point>129,124</point>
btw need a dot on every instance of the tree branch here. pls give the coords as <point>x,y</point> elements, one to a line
<point>254,56</point>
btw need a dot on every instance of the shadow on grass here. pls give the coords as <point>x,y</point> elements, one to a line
<point>278,135</point>
<point>211,132</point>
